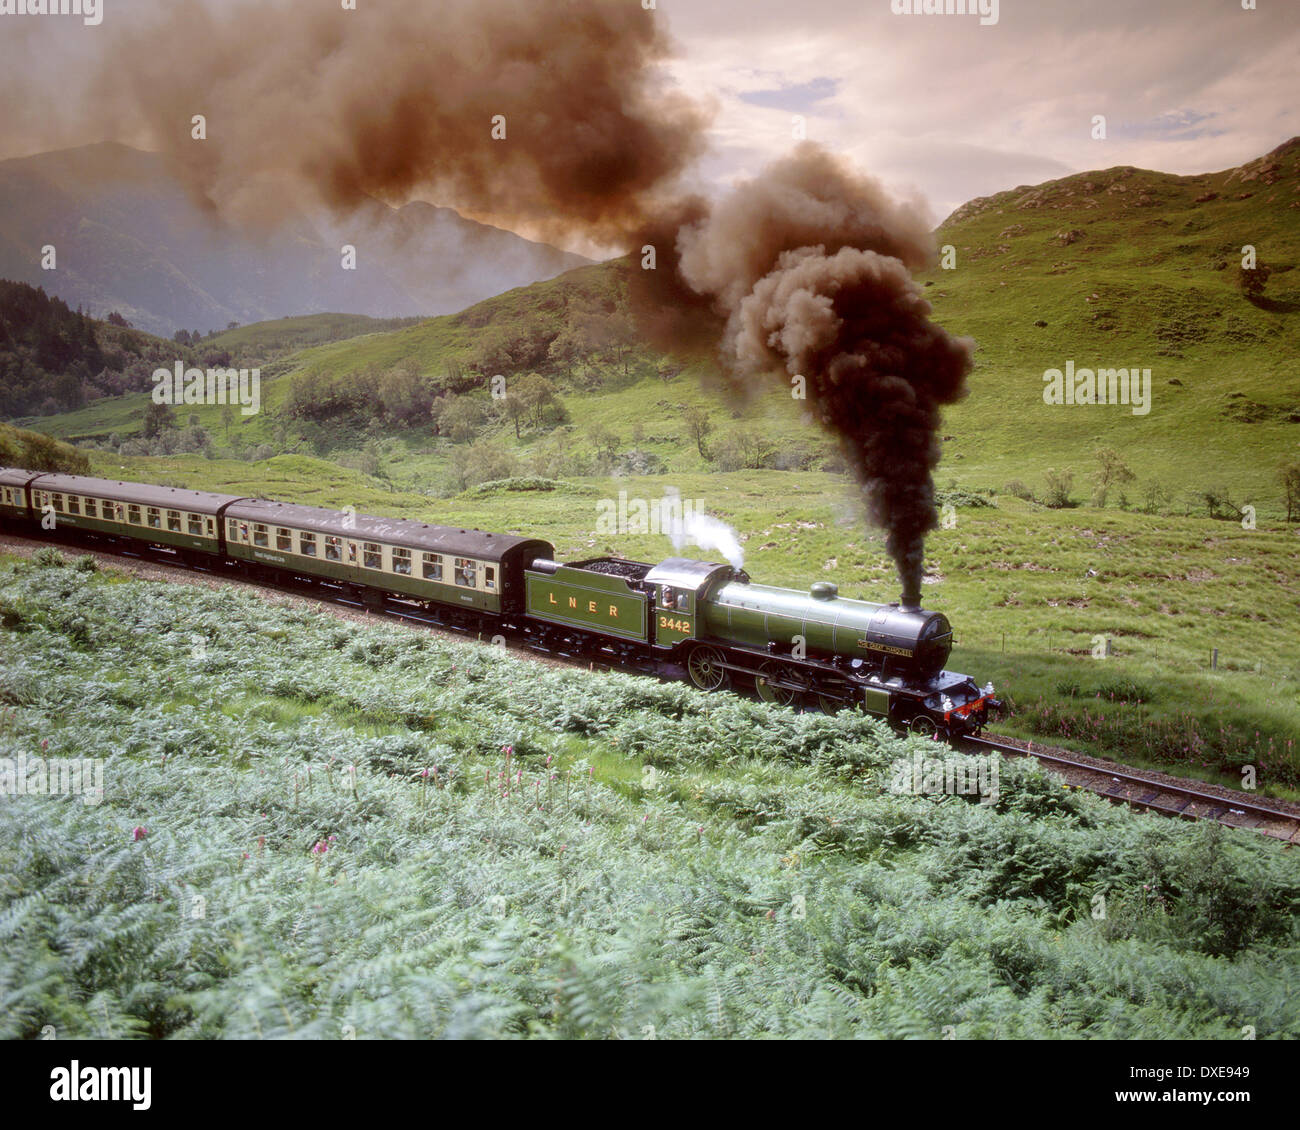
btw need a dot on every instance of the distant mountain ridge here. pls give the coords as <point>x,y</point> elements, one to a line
<point>129,238</point>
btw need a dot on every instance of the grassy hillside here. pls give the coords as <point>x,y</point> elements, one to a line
<point>38,452</point>
<point>307,830</point>
<point>1131,268</point>
<point>261,342</point>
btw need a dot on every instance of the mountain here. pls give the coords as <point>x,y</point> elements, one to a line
<point>129,238</point>
<point>1120,267</point>
<point>1127,267</point>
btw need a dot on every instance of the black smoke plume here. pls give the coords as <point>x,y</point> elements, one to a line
<point>805,269</point>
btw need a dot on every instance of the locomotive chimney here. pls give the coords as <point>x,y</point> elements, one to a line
<point>910,601</point>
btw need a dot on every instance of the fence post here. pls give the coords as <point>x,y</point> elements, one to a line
<point>1214,659</point>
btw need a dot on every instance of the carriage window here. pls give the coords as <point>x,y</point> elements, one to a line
<point>466,572</point>
<point>92,506</point>
<point>489,577</point>
<point>232,529</point>
<point>174,521</point>
<point>261,535</point>
<point>132,514</point>
<point>307,545</point>
<point>155,517</point>
<point>433,566</point>
<point>74,504</point>
<point>57,501</point>
<point>372,555</point>
<point>402,561</point>
<point>333,548</point>
<point>212,528</point>
<point>283,540</point>
<point>194,523</point>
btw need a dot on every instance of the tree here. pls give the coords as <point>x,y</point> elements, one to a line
<point>622,333</point>
<point>604,440</point>
<point>481,462</point>
<point>460,418</point>
<point>404,395</point>
<point>537,395</point>
<point>1111,471</point>
<point>567,348</point>
<point>157,419</point>
<point>698,427</point>
<point>227,418</point>
<point>1289,476</point>
<point>116,319</point>
<point>1059,484</point>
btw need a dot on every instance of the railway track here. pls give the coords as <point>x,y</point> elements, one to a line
<point>1156,792</point>
<point>1152,792</point>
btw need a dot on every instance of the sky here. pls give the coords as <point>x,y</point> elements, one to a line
<point>940,107</point>
<point>945,107</point>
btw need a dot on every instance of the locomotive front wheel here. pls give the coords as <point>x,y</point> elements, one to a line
<point>768,672</point>
<point>705,669</point>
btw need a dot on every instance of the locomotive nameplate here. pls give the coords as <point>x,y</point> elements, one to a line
<point>906,652</point>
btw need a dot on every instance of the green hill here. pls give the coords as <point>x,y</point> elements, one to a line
<point>1133,268</point>
<point>37,452</point>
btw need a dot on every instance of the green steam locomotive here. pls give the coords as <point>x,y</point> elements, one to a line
<point>816,650</point>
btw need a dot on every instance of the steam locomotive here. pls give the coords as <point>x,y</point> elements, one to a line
<point>811,649</point>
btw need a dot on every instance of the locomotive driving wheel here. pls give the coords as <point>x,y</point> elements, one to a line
<point>923,726</point>
<point>704,665</point>
<point>768,691</point>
